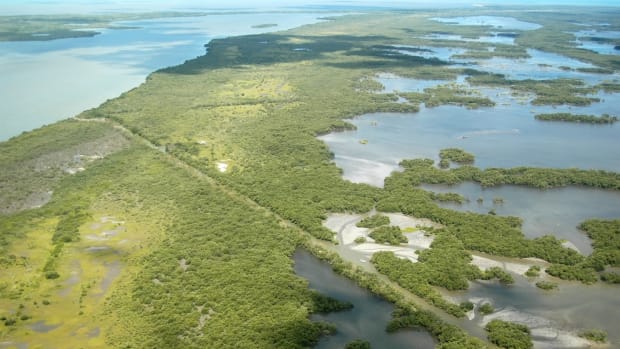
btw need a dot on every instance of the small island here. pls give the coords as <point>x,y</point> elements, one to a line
<point>264,25</point>
<point>579,118</point>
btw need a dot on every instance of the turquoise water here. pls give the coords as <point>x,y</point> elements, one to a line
<point>46,81</point>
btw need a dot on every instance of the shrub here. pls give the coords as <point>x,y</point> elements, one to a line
<point>373,221</point>
<point>486,309</point>
<point>388,235</point>
<point>594,335</point>
<point>52,275</point>
<point>509,335</point>
<point>358,344</point>
<point>546,285</point>
<point>533,271</point>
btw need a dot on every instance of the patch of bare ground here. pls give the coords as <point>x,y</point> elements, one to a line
<point>29,184</point>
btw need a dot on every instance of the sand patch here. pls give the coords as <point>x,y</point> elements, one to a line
<point>545,333</point>
<point>371,248</point>
<point>344,225</point>
<point>183,265</point>
<point>222,166</point>
<point>487,263</point>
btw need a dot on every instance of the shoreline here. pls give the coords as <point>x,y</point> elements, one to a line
<point>546,333</point>
<point>98,77</point>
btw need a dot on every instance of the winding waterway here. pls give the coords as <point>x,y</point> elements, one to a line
<point>369,316</point>
<point>506,136</point>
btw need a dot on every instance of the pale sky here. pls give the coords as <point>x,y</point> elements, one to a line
<point>11,7</point>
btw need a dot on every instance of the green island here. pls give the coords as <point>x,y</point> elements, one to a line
<point>598,336</point>
<point>509,335</point>
<point>546,285</point>
<point>373,221</point>
<point>358,344</point>
<point>390,235</point>
<point>580,118</point>
<point>145,241</point>
<point>455,155</point>
<point>265,25</point>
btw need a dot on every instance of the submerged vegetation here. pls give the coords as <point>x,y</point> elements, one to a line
<point>202,256</point>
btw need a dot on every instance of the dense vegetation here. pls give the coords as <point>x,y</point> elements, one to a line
<point>580,118</point>
<point>448,94</point>
<point>373,221</point>
<point>407,315</point>
<point>546,92</point>
<point>445,264</point>
<point>420,171</point>
<point>237,261</point>
<point>391,235</point>
<point>486,309</point>
<point>594,335</point>
<point>547,285</point>
<point>212,265</point>
<point>509,335</point>
<point>533,271</point>
<point>357,344</point>
<point>404,318</point>
<point>455,155</point>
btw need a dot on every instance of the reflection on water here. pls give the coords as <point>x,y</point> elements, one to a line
<point>573,308</point>
<point>602,42</point>
<point>367,320</point>
<point>540,66</point>
<point>556,211</point>
<point>491,21</point>
<point>517,139</point>
<point>441,53</point>
<point>46,81</point>
<point>506,136</point>
<point>493,38</point>
<point>394,83</point>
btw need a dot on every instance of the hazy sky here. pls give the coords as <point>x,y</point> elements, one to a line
<point>9,7</point>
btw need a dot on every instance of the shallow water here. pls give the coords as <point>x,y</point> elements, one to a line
<point>367,320</point>
<point>42,327</point>
<point>491,21</point>
<point>598,47</point>
<point>572,308</point>
<point>441,53</point>
<point>540,66</point>
<point>495,38</point>
<point>46,81</point>
<point>507,135</point>
<point>517,138</point>
<point>555,211</point>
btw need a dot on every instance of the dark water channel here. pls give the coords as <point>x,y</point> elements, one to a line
<point>369,316</point>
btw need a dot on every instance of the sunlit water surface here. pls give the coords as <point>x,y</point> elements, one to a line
<point>46,81</point>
